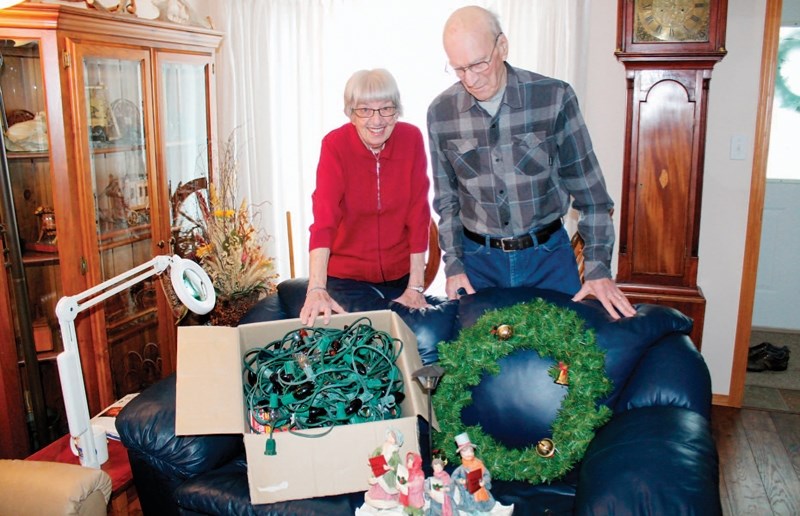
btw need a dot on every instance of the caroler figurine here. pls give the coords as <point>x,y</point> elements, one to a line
<point>383,493</point>
<point>437,490</point>
<point>411,485</point>
<point>471,479</point>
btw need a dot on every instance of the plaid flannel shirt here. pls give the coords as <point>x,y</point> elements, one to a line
<point>513,173</point>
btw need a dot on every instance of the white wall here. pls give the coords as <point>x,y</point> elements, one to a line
<point>732,111</point>
<point>726,187</point>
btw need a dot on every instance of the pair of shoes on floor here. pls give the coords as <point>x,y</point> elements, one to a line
<point>767,357</point>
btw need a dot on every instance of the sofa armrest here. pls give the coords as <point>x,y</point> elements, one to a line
<point>35,487</point>
<point>654,460</point>
<point>147,425</point>
<point>160,460</point>
<point>670,373</point>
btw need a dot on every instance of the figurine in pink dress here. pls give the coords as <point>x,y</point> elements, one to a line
<point>412,485</point>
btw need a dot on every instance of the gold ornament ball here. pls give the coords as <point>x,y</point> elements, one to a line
<point>546,448</point>
<point>505,332</point>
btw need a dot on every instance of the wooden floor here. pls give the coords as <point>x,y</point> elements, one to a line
<point>759,455</point>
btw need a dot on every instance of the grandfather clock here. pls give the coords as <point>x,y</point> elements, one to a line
<point>669,48</point>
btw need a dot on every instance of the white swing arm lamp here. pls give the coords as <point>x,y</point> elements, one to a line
<point>191,285</point>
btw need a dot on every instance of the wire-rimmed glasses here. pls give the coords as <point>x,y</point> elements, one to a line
<point>479,67</point>
<point>385,112</point>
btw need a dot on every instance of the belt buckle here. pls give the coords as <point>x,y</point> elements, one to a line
<point>510,241</point>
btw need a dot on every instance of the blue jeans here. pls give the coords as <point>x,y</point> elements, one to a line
<point>549,266</point>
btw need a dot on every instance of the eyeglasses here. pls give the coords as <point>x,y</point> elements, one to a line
<point>365,112</point>
<point>478,67</point>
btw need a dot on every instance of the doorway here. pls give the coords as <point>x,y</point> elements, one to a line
<point>761,225</point>
<point>777,286</point>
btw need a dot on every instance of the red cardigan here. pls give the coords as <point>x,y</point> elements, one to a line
<point>371,222</point>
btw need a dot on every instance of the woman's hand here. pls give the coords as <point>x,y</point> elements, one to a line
<point>318,302</point>
<point>412,299</point>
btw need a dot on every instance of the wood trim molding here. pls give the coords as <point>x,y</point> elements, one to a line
<point>121,27</point>
<point>769,60</point>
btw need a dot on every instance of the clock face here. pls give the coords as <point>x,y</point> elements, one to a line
<point>671,20</point>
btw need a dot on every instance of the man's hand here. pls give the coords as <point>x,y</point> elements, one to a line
<point>318,302</point>
<point>457,282</point>
<point>606,291</point>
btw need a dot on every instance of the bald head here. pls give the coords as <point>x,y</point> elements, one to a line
<point>471,21</point>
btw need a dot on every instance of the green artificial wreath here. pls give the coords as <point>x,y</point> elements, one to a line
<point>553,332</point>
<point>788,99</point>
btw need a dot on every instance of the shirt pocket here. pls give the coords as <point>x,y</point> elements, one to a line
<point>464,156</point>
<point>532,154</point>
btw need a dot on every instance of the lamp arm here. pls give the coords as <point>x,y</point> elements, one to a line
<point>69,307</point>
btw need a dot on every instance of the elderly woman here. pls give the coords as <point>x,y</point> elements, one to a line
<point>371,212</point>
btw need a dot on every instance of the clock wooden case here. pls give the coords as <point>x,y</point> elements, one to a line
<point>669,49</point>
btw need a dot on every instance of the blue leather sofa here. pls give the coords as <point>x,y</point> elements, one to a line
<point>655,456</point>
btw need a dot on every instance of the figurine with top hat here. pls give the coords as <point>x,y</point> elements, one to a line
<point>471,479</point>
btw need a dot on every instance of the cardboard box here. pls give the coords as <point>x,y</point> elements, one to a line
<point>210,400</point>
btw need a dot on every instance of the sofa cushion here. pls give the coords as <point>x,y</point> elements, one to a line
<point>623,340</point>
<point>523,395</point>
<point>554,499</point>
<point>430,325</point>
<point>653,460</point>
<point>267,309</point>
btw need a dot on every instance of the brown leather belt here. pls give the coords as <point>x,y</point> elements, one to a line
<point>519,243</point>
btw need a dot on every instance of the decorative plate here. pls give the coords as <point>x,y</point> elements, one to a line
<point>129,120</point>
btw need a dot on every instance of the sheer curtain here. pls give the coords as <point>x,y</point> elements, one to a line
<point>283,65</point>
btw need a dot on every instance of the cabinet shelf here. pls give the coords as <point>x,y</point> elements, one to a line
<point>45,356</point>
<point>112,239</point>
<point>27,155</point>
<point>38,259</point>
<point>113,149</point>
<point>117,327</point>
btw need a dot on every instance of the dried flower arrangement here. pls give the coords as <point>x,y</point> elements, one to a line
<point>229,246</point>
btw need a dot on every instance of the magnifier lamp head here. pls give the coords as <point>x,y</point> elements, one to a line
<point>192,285</point>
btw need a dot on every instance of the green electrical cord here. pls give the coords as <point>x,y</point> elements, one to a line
<point>322,377</point>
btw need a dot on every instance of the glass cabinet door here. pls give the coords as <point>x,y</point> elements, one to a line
<point>186,140</point>
<point>24,124</point>
<point>119,165</point>
<point>25,127</point>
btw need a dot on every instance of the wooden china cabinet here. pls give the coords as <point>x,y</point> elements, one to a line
<point>669,49</point>
<point>107,116</point>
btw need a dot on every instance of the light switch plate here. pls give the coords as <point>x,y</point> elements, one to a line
<point>738,147</point>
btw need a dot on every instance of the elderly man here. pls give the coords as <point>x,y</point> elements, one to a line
<point>510,151</point>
